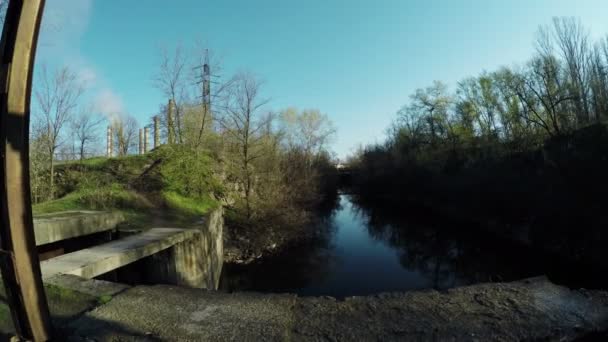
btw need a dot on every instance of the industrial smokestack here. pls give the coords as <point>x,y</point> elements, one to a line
<point>146,138</point>
<point>141,141</point>
<point>156,132</point>
<point>110,146</point>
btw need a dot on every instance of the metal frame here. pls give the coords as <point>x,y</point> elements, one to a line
<point>20,263</point>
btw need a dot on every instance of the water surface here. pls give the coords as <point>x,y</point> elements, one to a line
<point>361,250</point>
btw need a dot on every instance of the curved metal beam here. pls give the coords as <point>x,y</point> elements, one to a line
<point>20,263</point>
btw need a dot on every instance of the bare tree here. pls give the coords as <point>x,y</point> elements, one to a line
<point>57,96</point>
<point>125,132</point>
<point>572,41</point>
<point>172,80</point>
<point>543,96</point>
<point>244,126</point>
<point>598,81</point>
<point>84,128</point>
<point>308,130</point>
<point>434,102</point>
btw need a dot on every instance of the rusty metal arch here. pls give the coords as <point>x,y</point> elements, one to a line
<point>18,257</point>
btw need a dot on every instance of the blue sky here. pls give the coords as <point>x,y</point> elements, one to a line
<point>356,61</point>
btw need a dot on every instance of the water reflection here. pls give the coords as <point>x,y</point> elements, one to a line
<point>363,249</point>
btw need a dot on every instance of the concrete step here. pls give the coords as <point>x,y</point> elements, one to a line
<point>92,262</point>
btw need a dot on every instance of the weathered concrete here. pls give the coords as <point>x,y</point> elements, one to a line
<point>194,263</point>
<point>212,243</point>
<point>56,227</point>
<point>533,309</point>
<point>187,257</point>
<point>92,262</point>
<point>179,314</point>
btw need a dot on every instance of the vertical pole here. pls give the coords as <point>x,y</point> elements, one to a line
<point>205,96</point>
<point>156,132</point>
<point>170,128</point>
<point>146,138</point>
<point>109,142</point>
<point>18,256</point>
<point>141,141</point>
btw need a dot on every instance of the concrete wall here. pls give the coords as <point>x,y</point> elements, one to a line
<point>195,263</point>
<point>56,227</point>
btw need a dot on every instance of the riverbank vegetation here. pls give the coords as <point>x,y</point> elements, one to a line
<point>520,150</point>
<point>269,168</point>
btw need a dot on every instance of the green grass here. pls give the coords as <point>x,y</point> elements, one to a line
<point>188,206</point>
<point>114,196</point>
<point>95,162</point>
<point>127,184</point>
<point>128,161</point>
<point>69,202</point>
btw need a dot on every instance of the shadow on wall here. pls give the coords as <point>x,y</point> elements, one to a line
<point>195,263</point>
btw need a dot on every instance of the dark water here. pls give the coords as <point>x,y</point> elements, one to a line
<point>361,250</point>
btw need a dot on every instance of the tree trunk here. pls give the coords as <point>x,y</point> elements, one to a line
<point>52,178</point>
<point>247,180</point>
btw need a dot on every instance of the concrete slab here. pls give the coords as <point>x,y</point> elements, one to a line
<point>527,310</point>
<point>92,262</point>
<point>168,313</point>
<point>65,225</point>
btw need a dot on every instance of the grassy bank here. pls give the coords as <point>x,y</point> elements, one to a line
<point>143,187</point>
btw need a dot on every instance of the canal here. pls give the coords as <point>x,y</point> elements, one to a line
<point>362,250</point>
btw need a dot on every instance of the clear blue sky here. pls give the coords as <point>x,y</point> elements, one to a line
<point>357,61</point>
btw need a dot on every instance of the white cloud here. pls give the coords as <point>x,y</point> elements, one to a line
<point>108,103</point>
<point>64,24</point>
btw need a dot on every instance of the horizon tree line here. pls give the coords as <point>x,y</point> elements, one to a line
<point>563,87</point>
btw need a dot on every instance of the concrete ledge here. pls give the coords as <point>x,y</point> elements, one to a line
<point>529,310</point>
<point>60,226</point>
<point>92,262</point>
